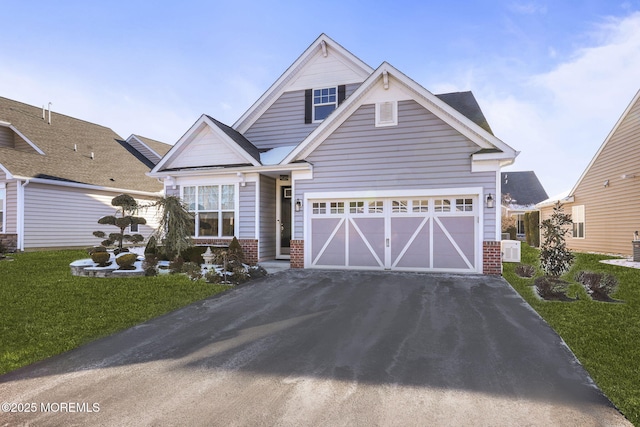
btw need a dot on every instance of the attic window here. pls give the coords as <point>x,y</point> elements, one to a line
<point>319,103</point>
<point>387,113</point>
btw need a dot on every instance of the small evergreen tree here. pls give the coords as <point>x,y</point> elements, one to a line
<point>123,218</point>
<point>555,258</point>
<point>175,226</point>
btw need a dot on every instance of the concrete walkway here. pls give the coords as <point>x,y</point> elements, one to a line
<point>323,348</point>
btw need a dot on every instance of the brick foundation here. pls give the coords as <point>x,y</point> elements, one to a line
<point>9,241</point>
<point>249,247</point>
<point>297,254</point>
<point>491,258</point>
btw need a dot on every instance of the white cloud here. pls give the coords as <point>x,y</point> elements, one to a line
<point>559,119</point>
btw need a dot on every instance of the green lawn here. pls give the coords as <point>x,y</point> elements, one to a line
<point>605,337</point>
<point>45,311</point>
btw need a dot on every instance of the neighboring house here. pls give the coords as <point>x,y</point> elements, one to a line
<point>339,165</point>
<point>147,150</point>
<point>58,175</point>
<point>611,180</point>
<point>521,192</point>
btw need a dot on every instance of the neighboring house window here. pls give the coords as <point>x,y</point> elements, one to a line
<point>319,103</point>
<point>134,228</point>
<point>3,197</point>
<point>577,216</point>
<point>214,209</point>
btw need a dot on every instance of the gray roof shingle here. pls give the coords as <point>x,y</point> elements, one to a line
<point>523,188</point>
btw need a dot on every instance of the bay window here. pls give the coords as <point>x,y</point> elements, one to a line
<point>213,207</point>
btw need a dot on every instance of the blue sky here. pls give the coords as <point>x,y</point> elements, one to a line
<point>552,77</point>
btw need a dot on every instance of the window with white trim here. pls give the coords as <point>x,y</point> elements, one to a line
<point>577,216</point>
<point>464,205</point>
<point>442,205</point>
<point>337,207</point>
<point>421,205</point>
<point>376,207</point>
<point>319,208</point>
<point>324,102</point>
<point>3,198</point>
<point>213,207</point>
<point>399,206</point>
<point>356,207</point>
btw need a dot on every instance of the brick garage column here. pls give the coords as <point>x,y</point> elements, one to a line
<point>250,249</point>
<point>297,253</point>
<point>491,258</point>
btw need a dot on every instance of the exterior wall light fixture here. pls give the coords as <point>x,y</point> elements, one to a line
<point>490,201</point>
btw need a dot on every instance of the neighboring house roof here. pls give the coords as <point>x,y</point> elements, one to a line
<point>160,148</point>
<point>522,188</point>
<point>67,150</point>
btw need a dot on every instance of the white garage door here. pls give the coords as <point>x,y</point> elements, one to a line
<point>412,233</point>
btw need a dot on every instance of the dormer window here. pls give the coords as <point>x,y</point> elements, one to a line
<point>324,102</point>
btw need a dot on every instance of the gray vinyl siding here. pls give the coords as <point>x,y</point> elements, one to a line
<point>283,123</point>
<point>267,238</point>
<point>11,205</point>
<point>421,152</point>
<point>142,149</point>
<point>247,211</point>
<point>67,217</point>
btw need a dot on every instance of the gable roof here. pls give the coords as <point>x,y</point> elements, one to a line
<point>387,83</point>
<point>523,188</point>
<point>159,148</point>
<point>632,104</point>
<point>322,46</point>
<point>234,143</point>
<point>467,104</point>
<point>65,151</point>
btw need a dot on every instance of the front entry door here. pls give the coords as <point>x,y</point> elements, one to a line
<point>284,223</point>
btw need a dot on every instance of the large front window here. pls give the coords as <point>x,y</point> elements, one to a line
<point>213,207</point>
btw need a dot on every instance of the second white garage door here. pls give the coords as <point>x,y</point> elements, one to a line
<point>412,233</point>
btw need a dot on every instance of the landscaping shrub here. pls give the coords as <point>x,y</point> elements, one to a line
<point>533,235</point>
<point>599,286</point>
<point>235,252</point>
<point>212,276</point>
<point>193,254</point>
<point>193,270</point>
<point>257,271</point>
<point>150,264</point>
<point>552,288</point>
<point>555,258</point>
<point>126,261</point>
<point>509,226</point>
<point>176,265</point>
<point>525,270</point>
<point>101,258</point>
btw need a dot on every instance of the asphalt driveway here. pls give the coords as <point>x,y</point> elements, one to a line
<point>323,348</point>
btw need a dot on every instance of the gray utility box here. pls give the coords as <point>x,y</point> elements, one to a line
<point>636,250</point>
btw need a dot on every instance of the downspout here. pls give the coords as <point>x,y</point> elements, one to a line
<point>20,216</point>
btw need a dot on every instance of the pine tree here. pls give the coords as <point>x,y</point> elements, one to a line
<point>122,219</point>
